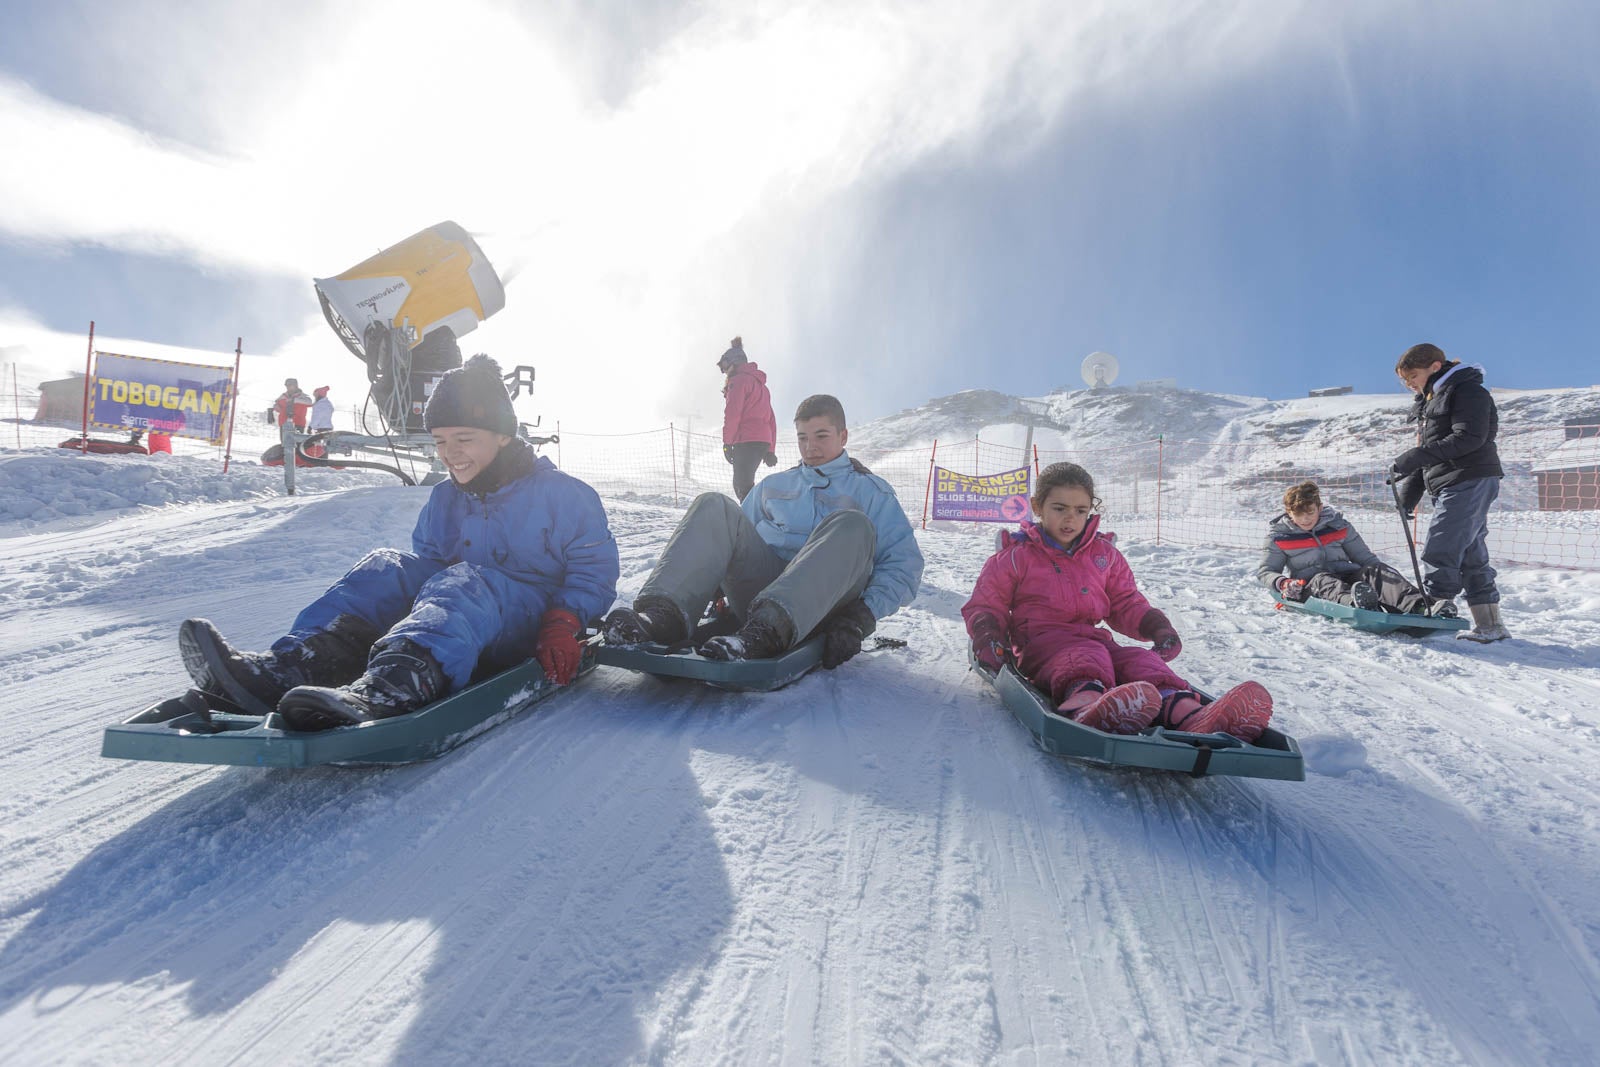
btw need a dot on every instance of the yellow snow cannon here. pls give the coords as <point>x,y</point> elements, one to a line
<point>401,311</point>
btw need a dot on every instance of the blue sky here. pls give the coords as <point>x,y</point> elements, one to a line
<point>1250,197</point>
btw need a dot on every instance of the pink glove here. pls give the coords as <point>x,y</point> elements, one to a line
<point>1157,628</point>
<point>988,643</point>
<point>1292,589</point>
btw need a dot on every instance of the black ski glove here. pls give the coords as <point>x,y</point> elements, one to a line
<point>844,631</point>
<point>727,453</point>
<point>1412,487</point>
<point>770,459</point>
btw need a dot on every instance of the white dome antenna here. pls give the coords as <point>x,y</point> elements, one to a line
<point>1099,369</point>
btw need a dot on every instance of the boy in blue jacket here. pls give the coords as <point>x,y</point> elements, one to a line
<point>509,556</point>
<point>821,548</point>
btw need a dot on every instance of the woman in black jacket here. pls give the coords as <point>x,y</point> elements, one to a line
<point>1456,463</point>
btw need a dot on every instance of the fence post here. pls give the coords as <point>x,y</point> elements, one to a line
<point>672,458</point>
<point>88,372</point>
<point>558,444</point>
<point>932,459</point>
<point>233,411</point>
<point>688,443</point>
<point>1035,460</point>
<point>1161,456</point>
<point>16,399</point>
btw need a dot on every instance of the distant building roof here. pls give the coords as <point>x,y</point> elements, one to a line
<point>1332,390</point>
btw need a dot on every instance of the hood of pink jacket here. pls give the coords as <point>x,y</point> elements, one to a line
<point>1030,585</point>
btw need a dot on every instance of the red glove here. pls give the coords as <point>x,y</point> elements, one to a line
<point>988,643</point>
<point>1292,589</point>
<point>556,647</point>
<point>1157,628</point>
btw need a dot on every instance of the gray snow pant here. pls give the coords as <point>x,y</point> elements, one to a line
<point>1394,592</point>
<point>1455,558</point>
<point>716,547</point>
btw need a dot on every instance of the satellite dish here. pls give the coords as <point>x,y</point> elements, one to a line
<point>1099,369</point>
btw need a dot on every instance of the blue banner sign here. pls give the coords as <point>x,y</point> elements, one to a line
<point>182,399</point>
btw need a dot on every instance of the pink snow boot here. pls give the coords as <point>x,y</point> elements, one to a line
<point>1122,709</point>
<point>1242,711</point>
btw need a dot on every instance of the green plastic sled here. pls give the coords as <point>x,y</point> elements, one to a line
<point>197,728</point>
<point>759,675</point>
<point>1272,755</point>
<point>1373,622</point>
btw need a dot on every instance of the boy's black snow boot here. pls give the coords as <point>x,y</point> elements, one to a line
<point>761,637</point>
<point>652,620</point>
<point>256,681</point>
<point>400,679</point>
<point>1444,609</point>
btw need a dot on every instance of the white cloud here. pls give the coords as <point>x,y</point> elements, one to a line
<point>629,228</point>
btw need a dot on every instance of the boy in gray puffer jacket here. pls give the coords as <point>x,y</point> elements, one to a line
<point>1326,558</point>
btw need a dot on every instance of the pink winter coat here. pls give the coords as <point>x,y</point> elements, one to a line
<point>1034,590</point>
<point>747,410</point>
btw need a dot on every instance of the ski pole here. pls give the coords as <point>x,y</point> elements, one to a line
<point>1405,524</point>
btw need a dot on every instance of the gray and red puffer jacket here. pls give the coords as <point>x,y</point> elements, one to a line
<point>1331,546</point>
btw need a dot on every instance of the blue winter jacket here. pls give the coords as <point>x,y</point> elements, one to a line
<point>545,529</point>
<point>787,506</point>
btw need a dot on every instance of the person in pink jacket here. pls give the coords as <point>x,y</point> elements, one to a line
<point>1041,599</point>
<point>749,429</point>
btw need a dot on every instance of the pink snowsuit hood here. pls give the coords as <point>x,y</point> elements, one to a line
<point>1031,587</point>
<point>747,408</point>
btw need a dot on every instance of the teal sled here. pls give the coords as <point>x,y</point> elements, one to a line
<point>760,675</point>
<point>198,728</point>
<point>1272,755</point>
<point>1374,622</point>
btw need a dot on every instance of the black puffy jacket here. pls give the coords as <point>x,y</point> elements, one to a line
<point>1457,426</point>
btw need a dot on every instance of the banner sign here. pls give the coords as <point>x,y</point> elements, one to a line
<point>138,393</point>
<point>999,497</point>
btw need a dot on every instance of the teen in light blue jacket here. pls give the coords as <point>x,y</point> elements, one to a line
<point>823,548</point>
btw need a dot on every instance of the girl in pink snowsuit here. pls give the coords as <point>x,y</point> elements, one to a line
<point>1041,599</point>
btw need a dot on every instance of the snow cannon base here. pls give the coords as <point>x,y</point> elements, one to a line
<point>682,661</point>
<point>1374,622</point>
<point>1272,755</point>
<point>201,728</point>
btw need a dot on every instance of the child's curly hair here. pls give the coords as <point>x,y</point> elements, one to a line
<point>1062,476</point>
<point>1302,498</point>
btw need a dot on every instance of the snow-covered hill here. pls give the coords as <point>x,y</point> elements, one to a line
<point>1087,419</point>
<point>874,865</point>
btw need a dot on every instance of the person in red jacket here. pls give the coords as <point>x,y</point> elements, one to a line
<point>749,429</point>
<point>1042,598</point>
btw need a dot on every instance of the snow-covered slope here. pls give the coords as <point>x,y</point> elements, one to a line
<point>872,866</point>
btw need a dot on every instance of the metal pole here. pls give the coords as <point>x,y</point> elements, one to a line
<point>16,399</point>
<point>1405,525</point>
<point>88,373</point>
<point>672,457</point>
<point>233,407</point>
<point>932,459</point>
<point>558,444</point>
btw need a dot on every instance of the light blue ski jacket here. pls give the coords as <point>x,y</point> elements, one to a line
<point>785,508</point>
